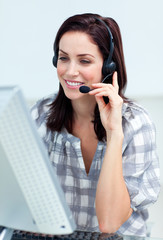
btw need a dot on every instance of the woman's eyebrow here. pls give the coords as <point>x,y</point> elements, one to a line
<point>79,55</point>
<point>60,50</point>
<point>85,54</point>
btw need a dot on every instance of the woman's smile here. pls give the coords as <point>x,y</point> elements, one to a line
<point>73,84</point>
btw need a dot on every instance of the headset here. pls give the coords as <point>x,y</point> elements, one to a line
<point>109,66</point>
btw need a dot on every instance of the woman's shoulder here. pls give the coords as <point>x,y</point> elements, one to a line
<point>136,116</point>
<point>42,106</point>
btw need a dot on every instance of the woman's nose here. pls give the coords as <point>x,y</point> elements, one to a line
<point>72,69</point>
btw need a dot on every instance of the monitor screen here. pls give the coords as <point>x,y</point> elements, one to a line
<point>31,198</point>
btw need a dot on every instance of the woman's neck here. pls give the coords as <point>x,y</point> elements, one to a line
<point>83,109</point>
<point>83,116</point>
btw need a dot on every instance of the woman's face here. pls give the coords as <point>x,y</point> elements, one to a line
<point>79,63</point>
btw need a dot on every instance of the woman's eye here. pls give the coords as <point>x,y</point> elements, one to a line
<point>85,61</point>
<point>63,59</point>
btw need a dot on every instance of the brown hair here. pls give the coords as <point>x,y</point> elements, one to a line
<point>61,112</point>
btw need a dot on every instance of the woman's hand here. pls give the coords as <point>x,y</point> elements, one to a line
<point>111,113</point>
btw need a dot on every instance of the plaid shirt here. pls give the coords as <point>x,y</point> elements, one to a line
<point>140,167</point>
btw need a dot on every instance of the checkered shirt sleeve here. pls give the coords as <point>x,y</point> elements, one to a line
<point>141,169</point>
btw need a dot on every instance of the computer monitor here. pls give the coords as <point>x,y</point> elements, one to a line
<point>31,198</point>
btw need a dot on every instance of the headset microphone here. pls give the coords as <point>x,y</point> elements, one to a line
<point>86,89</point>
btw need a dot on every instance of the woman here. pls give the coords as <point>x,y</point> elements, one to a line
<point>101,145</point>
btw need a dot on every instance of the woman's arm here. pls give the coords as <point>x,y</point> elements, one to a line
<point>112,198</point>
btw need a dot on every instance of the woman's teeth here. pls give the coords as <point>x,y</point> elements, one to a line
<point>73,83</point>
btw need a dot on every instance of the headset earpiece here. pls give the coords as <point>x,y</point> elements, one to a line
<point>108,67</point>
<point>55,59</point>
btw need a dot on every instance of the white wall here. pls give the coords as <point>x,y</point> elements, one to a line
<point>28,28</point>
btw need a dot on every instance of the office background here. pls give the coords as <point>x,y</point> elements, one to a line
<point>27,32</point>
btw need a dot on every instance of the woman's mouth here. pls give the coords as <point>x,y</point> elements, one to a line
<point>73,84</point>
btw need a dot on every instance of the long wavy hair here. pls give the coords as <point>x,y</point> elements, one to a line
<point>61,112</point>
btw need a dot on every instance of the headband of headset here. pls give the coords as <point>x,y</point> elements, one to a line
<point>109,66</point>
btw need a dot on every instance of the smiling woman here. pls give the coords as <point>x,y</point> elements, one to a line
<point>79,62</point>
<point>101,144</point>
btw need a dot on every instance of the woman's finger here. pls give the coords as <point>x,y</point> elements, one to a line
<point>100,88</point>
<point>115,81</point>
<point>100,102</point>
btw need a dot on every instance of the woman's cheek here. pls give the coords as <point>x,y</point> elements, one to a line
<point>93,76</point>
<point>60,70</point>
